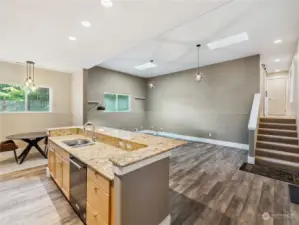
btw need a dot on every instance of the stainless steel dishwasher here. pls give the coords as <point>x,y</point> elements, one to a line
<point>78,187</point>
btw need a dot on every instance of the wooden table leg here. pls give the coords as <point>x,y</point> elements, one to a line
<point>31,143</point>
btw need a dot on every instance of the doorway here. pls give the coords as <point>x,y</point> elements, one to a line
<point>276,95</point>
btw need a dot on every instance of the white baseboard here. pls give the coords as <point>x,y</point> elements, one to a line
<point>251,160</point>
<point>166,221</point>
<point>198,139</point>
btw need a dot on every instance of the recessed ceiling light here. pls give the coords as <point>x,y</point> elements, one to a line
<point>279,41</point>
<point>107,3</point>
<point>145,66</point>
<point>277,70</point>
<point>72,38</point>
<point>86,23</point>
<point>277,60</point>
<point>238,38</point>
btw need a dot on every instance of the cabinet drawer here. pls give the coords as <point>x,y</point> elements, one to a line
<point>92,217</point>
<point>99,180</point>
<point>98,200</point>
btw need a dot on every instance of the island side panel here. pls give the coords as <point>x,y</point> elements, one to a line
<point>141,196</point>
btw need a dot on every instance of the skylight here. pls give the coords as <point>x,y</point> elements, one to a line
<point>145,66</point>
<point>238,38</point>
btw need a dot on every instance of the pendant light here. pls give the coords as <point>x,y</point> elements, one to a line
<point>198,76</point>
<point>29,81</point>
<point>151,84</point>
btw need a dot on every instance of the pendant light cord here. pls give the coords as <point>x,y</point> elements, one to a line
<point>198,46</point>
<point>27,75</point>
<point>33,72</point>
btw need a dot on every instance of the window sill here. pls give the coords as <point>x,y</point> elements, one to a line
<point>116,112</point>
<point>33,112</point>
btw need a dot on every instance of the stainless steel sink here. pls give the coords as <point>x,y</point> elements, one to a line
<point>78,143</point>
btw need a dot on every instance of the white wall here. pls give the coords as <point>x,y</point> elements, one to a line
<point>296,85</point>
<point>60,86</point>
<point>79,99</point>
<point>294,70</point>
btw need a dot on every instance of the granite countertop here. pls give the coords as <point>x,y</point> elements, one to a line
<point>101,157</point>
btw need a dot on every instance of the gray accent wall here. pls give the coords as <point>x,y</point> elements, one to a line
<point>219,105</point>
<point>102,80</point>
<point>142,196</point>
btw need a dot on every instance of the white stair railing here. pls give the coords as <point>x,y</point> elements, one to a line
<point>253,126</point>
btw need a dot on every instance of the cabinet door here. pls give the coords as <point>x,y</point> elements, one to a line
<point>59,171</point>
<point>66,178</point>
<point>92,217</point>
<point>51,163</point>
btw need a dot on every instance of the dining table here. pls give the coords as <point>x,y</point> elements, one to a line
<point>32,139</point>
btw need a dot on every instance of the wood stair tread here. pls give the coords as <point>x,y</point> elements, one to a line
<point>291,154</point>
<point>278,117</point>
<point>277,130</point>
<point>277,136</point>
<point>278,124</point>
<point>278,144</point>
<point>278,161</point>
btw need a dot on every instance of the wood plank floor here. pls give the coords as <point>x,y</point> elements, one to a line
<point>31,198</point>
<point>206,188</point>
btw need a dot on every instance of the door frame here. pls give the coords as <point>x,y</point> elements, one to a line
<point>287,103</point>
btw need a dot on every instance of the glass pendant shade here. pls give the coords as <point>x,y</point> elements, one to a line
<point>198,76</point>
<point>29,84</point>
<point>151,85</point>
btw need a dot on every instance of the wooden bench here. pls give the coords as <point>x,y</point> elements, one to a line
<point>7,146</point>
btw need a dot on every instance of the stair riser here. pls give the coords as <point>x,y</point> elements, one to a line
<point>279,148</point>
<point>272,120</point>
<point>279,133</point>
<point>277,156</point>
<point>278,140</point>
<point>276,165</point>
<point>278,126</point>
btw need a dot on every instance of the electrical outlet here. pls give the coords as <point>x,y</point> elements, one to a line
<point>210,134</point>
<point>129,146</point>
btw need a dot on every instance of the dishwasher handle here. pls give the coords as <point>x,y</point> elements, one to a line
<point>75,164</point>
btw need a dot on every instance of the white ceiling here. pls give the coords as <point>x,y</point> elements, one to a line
<point>175,50</point>
<point>39,30</point>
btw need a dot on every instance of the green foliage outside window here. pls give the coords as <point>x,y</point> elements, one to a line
<point>13,98</point>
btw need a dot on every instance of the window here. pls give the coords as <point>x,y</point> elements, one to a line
<point>13,98</point>
<point>117,102</point>
<point>39,100</point>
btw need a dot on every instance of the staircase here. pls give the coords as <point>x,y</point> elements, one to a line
<point>277,143</point>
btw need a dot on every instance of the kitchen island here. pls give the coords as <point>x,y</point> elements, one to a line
<point>127,175</point>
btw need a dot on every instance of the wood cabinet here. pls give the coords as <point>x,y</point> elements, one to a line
<point>92,217</point>
<point>59,167</point>
<point>100,197</point>
<point>100,190</point>
<point>59,172</point>
<point>52,163</point>
<point>66,178</point>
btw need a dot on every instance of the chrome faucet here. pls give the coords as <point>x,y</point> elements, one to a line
<point>93,130</point>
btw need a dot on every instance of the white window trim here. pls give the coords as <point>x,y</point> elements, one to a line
<point>112,93</point>
<point>26,98</point>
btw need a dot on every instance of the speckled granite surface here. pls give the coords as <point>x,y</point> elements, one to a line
<point>101,157</point>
